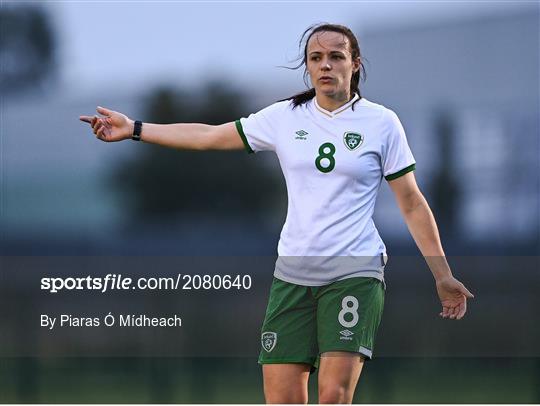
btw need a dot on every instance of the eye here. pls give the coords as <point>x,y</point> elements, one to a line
<point>336,56</point>
<point>315,58</point>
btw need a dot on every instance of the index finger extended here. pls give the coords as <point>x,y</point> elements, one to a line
<point>86,119</point>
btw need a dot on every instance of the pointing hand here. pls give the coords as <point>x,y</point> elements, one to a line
<point>111,126</point>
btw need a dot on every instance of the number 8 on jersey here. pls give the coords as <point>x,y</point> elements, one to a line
<point>326,156</point>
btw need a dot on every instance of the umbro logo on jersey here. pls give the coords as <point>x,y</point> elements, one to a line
<point>301,135</point>
<point>346,335</point>
<point>353,140</point>
<point>268,340</point>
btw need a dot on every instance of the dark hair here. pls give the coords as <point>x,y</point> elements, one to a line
<point>360,74</point>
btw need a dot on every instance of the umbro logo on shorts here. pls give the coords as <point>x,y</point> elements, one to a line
<point>268,340</point>
<point>346,335</point>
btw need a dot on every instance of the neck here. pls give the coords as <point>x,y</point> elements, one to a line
<point>333,102</point>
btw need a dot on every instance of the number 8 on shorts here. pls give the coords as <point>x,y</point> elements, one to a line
<point>349,310</point>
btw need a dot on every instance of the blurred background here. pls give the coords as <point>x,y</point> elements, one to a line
<point>463,78</point>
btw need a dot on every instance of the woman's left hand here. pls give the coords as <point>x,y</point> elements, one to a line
<point>453,295</point>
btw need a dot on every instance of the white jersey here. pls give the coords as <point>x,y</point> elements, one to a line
<point>333,164</point>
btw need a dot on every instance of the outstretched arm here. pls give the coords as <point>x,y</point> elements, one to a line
<point>113,126</point>
<point>419,218</point>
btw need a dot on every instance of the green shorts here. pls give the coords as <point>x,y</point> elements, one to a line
<point>303,322</point>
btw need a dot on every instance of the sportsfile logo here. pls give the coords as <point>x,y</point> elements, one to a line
<point>301,135</point>
<point>346,335</point>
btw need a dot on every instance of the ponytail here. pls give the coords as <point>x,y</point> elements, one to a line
<point>301,98</point>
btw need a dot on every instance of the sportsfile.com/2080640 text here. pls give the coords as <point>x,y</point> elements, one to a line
<point>111,282</point>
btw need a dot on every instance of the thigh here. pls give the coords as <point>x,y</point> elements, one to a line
<point>289,331</point>
<point>348,315</point>
<point>338,376</point>
<point>286,383</point>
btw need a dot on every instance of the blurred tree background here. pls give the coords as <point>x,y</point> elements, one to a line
<point>27,48</point>
<point>160,184</point>
<point>444,186</point>
<point>28,63</point>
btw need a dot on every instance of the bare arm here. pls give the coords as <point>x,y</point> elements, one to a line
<point>421,223</point>
<point>113,126</point>
<point>423,228</point>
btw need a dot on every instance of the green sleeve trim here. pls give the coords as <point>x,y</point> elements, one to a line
<point>401,172</point>
<point>243,136</point>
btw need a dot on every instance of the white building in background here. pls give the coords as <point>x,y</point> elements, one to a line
<point>483,74</point>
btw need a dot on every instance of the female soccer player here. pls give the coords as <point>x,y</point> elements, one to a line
<point>334,147</point>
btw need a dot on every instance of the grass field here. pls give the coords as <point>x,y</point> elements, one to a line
<point>205,380</point>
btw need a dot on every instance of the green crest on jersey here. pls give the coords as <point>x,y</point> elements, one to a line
<point>353,140</point>
<point>268,340</point>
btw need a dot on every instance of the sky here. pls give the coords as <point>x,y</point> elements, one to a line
<point>125,43</point>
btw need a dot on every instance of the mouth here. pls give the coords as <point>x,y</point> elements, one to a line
<point>326,79</point>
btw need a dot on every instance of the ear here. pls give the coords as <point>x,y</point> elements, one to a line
<point>356,64</point>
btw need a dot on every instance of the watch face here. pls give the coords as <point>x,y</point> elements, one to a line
<point>137,127</point>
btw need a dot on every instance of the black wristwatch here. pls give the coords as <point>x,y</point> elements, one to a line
<point>137,127</point>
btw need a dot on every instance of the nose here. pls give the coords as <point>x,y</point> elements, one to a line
<point>325,65</point>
